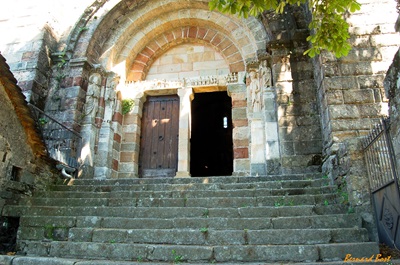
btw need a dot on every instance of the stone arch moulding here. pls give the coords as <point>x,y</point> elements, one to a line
<point>139,65</point>
<point>122,30</point>
<point>140,51</point>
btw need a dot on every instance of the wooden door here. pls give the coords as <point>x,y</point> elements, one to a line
<point>159,138</point>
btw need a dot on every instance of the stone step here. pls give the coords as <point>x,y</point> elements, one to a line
<point>171,212</point>
<point>43,223</point>
<point>166,201</point>
<point>199,253</point>
<point>188,193</point>
<point>133,185</point>
<point>200,236</point>
<point>200,180</point>
<point>23,260</point>
<point>216,223</point>
<point>295,218</point>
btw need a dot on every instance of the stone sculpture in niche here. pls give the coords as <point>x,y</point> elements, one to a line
<point>265,73</point>
<point>110,97</point>
<point>92,96</point>
<point>255,91</point>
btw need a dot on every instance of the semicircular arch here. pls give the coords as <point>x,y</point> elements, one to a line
<point>130,30</point>
<point>141,63</point>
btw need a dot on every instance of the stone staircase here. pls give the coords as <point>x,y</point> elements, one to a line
<point>295,218</point>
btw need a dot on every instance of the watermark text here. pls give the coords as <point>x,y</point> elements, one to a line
<point>373,258</point>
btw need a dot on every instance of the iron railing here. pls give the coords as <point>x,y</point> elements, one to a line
<point>63,144</point>
<point>379,156</point>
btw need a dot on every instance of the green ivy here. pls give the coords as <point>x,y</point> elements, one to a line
<point>329,30</point>
<point>127,105</point>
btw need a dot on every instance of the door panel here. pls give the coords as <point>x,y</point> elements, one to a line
<point>159,137</point>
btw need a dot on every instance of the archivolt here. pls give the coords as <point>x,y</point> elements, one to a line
<point>185,34</point>
<point>135,36</point>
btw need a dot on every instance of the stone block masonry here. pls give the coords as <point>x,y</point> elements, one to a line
<point>241,130</point>
<point>31,66</point>
<point>300,134</point>
<point>351,94</point>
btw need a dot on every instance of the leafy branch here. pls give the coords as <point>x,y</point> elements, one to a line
<point>329,30</point>
<point>127,105</point>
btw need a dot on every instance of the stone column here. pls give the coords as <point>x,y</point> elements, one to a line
<point>116,125</point>
<point>90,128</point>
<point>272,150</point>
<point>104,150</point>
<point>185,96</point>
<point>128,165</point>
<point>257,145</point>
<point>240,131</point>
<point>257,149</point>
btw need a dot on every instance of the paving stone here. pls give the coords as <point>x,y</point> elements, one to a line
<point>266,253</point>
<point>187,253</point>
<point>337,251</point>
<point>6,260</point>
<point>42,261</point>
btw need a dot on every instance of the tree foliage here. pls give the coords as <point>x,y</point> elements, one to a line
<point>329,30</point>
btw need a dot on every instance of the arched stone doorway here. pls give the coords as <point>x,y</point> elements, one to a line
<point>162,48</point>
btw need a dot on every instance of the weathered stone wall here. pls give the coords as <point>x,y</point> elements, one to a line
<point>30,63</point>
<point>300,134</point>
<point>35,31</point>
<point>21,169</point>
<point>392,86</point>
<point>299,120</point>
<point>351,94</point>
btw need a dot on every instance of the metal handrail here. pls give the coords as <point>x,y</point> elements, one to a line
<point>63,144</point>
<point>51,118</point>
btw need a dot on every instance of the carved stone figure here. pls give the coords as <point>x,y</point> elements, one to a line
<point>93,95</point>
<point>255,91</point>
<point>110,97</point>
<point>265,73</point>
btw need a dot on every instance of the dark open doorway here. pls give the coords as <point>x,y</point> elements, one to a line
<point>211,151</point>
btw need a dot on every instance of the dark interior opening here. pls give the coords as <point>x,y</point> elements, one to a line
<point>211,152</point>
<point>16,173</point>
<point>8,234</point>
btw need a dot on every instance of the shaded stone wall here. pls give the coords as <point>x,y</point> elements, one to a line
<point>392,86</point>
<point>297,112</point>
<point>351,94</point>
<point>23,164</point>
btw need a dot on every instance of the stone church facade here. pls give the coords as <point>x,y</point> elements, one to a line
<point>283,112</point>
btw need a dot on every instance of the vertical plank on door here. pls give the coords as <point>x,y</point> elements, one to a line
<point>159,137</point>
